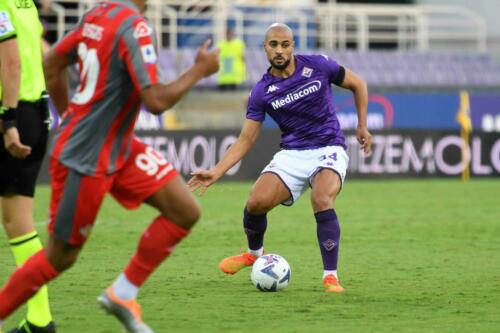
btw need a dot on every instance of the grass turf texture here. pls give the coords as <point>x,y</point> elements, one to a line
<point>416,255</point>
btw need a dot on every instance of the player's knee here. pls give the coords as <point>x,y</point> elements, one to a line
<point>17,224</point>
<point>257,205</point>
<point>193,213</point>
<point>188,216</point>
<point>321,201</point>
<point>62,256</point>
<point>66,262</point>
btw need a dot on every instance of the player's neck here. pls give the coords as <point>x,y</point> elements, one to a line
<point>284,73</point>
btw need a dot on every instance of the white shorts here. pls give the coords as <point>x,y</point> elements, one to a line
<point>296,168</point>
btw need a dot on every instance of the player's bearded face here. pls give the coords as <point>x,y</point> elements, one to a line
<point>279,62</point>
<point>279,50</point>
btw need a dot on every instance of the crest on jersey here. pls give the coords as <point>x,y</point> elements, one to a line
<point>142,30</point>
<point>6,26</point>
<point>272,88</point>
<point>307,72</point>
<point>148,54</point>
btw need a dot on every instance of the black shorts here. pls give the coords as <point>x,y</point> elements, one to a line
<point>17,176</point>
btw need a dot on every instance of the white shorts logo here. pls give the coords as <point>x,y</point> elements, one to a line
<point>148,54</point>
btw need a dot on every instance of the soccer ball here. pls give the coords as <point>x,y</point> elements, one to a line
<point>270,272</point>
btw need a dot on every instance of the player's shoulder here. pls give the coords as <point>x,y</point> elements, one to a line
<point>6,14</point>
<point>4,7</point>
<point>139,27</point>
<point>126,17</point>
<point>314,59</point>
<point>258,89</point>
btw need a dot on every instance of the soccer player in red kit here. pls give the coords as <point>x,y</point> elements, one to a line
<point>95,152</point>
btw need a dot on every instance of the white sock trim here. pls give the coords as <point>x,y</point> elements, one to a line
<point>124,289</point>
<point>325,273</point>
<point>257,253</point>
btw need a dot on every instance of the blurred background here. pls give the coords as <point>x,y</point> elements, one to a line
<point>432,67</point>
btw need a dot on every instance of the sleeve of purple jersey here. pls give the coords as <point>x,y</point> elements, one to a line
<point>138,51</point>
<point>255,109</point>
<point>330,67</point>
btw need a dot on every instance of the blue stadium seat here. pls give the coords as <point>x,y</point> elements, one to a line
<point>379,68</point>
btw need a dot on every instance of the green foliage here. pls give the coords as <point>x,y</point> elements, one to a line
<point>416,255</point>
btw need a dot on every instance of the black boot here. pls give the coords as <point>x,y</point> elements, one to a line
<point>27,327</point>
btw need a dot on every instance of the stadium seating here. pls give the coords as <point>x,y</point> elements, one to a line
<point>389,69</point>
<point>412,56</point>
<point>379,68</point>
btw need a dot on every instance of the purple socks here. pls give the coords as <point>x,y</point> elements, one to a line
<point>328,230</point>
<point>255,227</point>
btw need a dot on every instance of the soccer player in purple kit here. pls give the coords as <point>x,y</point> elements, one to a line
<point>296,93</point>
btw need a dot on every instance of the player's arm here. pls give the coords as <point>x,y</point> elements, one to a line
<point>238,150</point>
<point>248,135</point>
<point>56,79</point>
<point>10,78</point>
<point>160,97</point>
<point>45,46</point>
<point>10,72</point>
<point>357,85</point>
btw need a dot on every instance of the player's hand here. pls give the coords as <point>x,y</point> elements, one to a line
<point>201,180</point>
<point>207,61</point>
<point>364,138</point>
<point>13,144</point>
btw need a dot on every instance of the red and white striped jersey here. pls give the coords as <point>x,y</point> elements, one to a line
<point>114,48</point>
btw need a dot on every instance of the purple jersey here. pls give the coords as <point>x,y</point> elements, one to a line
<point>302,104</point>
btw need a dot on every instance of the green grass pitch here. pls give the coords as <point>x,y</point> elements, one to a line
<point>416,256</point>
